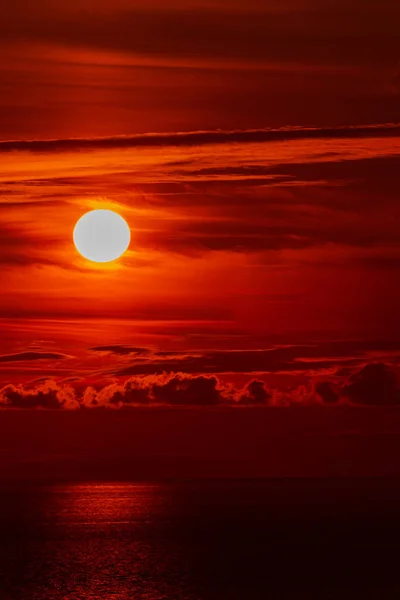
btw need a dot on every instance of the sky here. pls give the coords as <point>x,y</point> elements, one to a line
<point>255,155</point>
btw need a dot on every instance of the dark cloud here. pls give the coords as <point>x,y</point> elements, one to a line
<point>45,395</point>
<point>327,391</point>
<point>179,389</point>
<point>192,391</point>
<point>29,356</point>
<point>198,138</point>
<point>174,389</point>
<point>255,393</point>
<point>376,383</point>
<point>171,389</point>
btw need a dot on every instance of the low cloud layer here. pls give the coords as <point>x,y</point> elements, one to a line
<point>48,394</point>
<point>376,384</point>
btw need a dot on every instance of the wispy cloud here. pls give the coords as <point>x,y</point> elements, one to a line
<point>198,138</point>
<point>32,355</point>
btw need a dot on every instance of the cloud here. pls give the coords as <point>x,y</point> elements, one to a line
<point>29,356</point>
<point>255,393</point>
<point>306,196</point>
<point>171,389</point>
<point>20,246</point>
<point>289,358</point>
<point>199,138</point>
<point>178,389</point>
<point>376,383</point>
<point>45,395</point>
<point>121,349</point>
<point>327,391</point>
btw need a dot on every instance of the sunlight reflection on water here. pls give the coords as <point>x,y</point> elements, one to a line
<point>99,504</point>
<point>99,541</point>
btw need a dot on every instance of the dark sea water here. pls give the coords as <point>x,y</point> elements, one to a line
<point>240,540</point>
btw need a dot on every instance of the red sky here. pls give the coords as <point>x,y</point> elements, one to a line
<point>254,154</point>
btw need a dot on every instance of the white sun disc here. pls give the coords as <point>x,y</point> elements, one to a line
<point>101,236</point>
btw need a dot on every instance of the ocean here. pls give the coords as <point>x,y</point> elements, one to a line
<point>201,540</point>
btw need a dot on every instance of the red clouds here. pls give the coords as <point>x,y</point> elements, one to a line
<point>376,384</point>
<point>45,395</point>
<point>255,393</point>
<point>176,389</point>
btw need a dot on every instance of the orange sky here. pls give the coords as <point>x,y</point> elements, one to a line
<point>263,211</point>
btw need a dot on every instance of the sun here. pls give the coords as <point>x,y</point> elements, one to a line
<point>101,236</point>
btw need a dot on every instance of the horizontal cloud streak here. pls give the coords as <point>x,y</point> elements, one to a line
<point>290,358</point>
<point>33,355</point>
<point>198,138</point>
<point>121,350</point>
